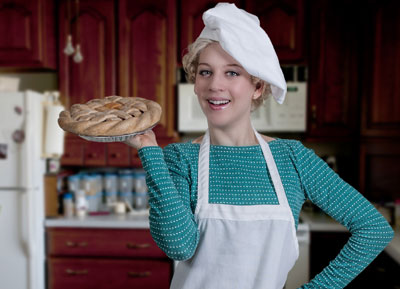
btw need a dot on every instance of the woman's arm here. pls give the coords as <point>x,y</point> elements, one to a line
<point>370,232</point>
<point>172,222</point>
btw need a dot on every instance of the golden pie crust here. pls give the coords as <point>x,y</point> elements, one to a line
<point>110,116</point>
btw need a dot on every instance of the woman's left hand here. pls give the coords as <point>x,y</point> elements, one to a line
<point>142,140</point>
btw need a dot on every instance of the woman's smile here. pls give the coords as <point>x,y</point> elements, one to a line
<point>218,104</point>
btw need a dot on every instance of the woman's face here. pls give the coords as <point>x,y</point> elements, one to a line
<point>223,87</point>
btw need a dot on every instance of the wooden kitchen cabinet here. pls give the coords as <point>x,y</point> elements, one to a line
<point>379,169</point>
<point>191,22</point>
<point>118,154</point>
<point>284,23</point>
<point>147,54</point>
<point>129,49</point>
<point>27,34</point>
<point>333,110</point>
<point>73,151</point>
<point>94,154</point>
<point>79,152</point>
<point>94,30</point>
<point>381,73</point>
<point>282,20</point>
<point>105,258</point>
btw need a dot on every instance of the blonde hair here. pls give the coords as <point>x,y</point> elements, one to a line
<point>190,62</point>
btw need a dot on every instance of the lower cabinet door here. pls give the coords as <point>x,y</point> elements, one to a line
<point>108,273</point>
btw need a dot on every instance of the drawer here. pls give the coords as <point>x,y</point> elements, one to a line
<point>102,243</point>
<point>67,273</point>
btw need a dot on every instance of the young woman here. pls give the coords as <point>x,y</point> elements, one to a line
<point>227,204</point>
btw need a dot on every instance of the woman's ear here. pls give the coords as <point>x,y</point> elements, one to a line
<point>259,90</point>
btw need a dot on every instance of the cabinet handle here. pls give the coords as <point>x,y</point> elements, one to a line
<point>76,272</point>
<point>137,246</point>
<point>139,274</point>
<point>73,244</point>
<point>115,155</point>
<point>92,155</point>
<point>314,113</point>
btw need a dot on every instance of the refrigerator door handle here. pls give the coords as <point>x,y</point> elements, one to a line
<point>18,189</point>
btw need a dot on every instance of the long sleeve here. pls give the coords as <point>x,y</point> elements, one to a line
<point>370,232</point>
<point>172,223</point>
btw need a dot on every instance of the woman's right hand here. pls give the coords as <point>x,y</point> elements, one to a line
<point>142,140</point>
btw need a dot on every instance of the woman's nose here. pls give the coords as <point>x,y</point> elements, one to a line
<point>217,83</point>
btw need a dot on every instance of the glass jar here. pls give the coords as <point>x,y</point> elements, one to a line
<point>89,185</point>
<point>110,183</point>
<point>125,183</point>
<point>74,183</point>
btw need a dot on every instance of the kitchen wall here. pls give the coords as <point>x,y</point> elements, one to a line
<point>37,81</point>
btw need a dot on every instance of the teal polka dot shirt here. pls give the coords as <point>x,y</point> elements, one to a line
<point>239,176</point>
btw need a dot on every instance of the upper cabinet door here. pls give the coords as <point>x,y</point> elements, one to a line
<point>381,73</point>
<point>191,22</point>
<point>284,23</point>
<point>147,54</point>
<point>94,29</point>
<point>27,34</point>
<point>333,71</point>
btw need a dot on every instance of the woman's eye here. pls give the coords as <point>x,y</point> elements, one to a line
<point>204,72</point>
<point>232,73</point>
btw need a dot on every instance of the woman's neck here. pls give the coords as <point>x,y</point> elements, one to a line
<point>233,136</point>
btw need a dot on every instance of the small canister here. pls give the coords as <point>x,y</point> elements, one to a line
<point>110,184</point>
<point>125,186</point>
<point>140,200</point>
<point>68,205</point>
<point>88,184</point>
<point>74,183</point>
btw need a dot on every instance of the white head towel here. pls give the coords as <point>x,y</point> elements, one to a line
<point>241,36</point>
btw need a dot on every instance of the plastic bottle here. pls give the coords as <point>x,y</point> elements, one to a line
<point>81,205</point>
<point>68,205</point>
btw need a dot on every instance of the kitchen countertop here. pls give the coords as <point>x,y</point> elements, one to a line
<point>320,222</point>
<point>316,222</point>
<point>137,220</point>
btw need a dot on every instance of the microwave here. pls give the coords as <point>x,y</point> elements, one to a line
<point>270,117</point>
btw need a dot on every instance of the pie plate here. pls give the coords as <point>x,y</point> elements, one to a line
<point>115,138</point>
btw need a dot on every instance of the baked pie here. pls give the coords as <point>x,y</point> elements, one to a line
<point>110,116</point>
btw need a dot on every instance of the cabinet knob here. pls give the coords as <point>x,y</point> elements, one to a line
<point>76,272</point>
<point>115,155</point>
<point>92,155</point>
<point>74,244</point>
<point>139,274</point>
<point>137,246</point>
<point>314,112</point>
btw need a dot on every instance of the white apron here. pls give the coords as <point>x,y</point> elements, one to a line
<point>243,247</point>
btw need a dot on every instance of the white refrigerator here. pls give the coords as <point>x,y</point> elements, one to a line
<point>22,258</point>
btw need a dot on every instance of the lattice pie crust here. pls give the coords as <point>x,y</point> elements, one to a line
<point>110,116</point>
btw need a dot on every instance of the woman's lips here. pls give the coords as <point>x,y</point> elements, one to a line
<point>218,104</point>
